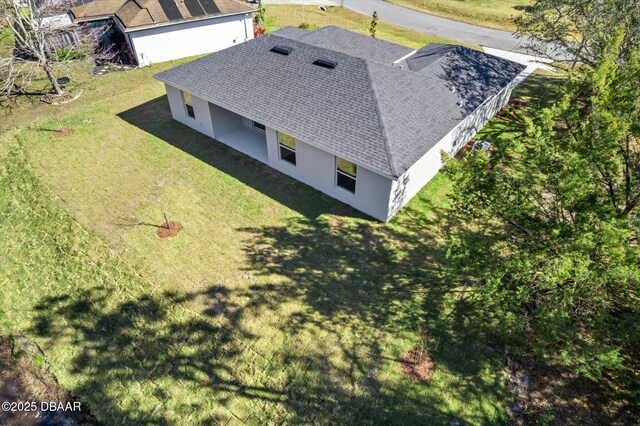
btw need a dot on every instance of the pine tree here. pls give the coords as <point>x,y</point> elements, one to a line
<point>564,197</point>
<point>374,24</point>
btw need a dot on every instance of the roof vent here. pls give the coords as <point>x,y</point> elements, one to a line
<point>326,63</point>
<point>452,89</point>
<point>283,50</point>
<point>460,103</point>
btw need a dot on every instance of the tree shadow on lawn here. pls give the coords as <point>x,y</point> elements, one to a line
<point>151,358</point>
<point>536,92</point>
<point>385,282</point>
<point>154,117</point>
<point>391,277</point>
<point>134,354</point>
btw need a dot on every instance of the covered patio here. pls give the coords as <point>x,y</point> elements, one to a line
<point>239,133</point>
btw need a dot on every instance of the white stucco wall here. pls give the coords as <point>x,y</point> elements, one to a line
<point>376,195</point>
<point>418,175</point>
<point>314,167</point>
<point>164,43</point>
<point>202,121</point>
<point>317,169</point>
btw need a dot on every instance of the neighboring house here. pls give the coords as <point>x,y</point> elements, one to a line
<point>161,30</point>
<point>360,119</point>
<point>59,32</point>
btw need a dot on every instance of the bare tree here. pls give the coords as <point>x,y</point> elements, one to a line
<point>45,39</point>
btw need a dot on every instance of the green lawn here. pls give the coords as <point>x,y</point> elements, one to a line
<point>274,304</point>
<point>497,14</point>
<point>6,40</point>
<point>23,110</point>
<point>537,91</point>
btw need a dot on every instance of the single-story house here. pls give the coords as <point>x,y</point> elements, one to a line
<point>161,30</point>
<point>360,119</point>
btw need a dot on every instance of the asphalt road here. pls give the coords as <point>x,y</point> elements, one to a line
<point>452,30</point>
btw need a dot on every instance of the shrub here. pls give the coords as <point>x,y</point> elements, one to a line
<point>60,55</point>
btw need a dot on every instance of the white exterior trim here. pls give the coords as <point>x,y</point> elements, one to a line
<point>405,57</point>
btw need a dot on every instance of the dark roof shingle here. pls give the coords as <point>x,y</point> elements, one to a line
<point>309,102</point>
<point>379,116</point>
<point>354,44</point>
<point>145,13</point>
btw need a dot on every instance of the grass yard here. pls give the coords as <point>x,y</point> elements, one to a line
<point>274,304</point>
<point>497,14</point>
<point>6,40</point>
<point>24,110</point>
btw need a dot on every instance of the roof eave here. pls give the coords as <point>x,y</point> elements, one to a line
<point>90,18</point>
<point>353,160</point>
<point>182,21</point>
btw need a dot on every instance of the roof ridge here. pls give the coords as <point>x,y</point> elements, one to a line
<point>358,33</point>
<point>328,49</point>
<point>142,9</point>
<point>382,127</point>
<point>365,63</point>
<point>316,47</point>
<point>317,38</point>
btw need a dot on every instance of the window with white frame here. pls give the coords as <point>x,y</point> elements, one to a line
<point>287,148</point>
<point>188,104</point>
<point>346,173</point>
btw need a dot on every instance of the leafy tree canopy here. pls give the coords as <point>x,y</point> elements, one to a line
<point>564,198</point>
<point>582,27</point>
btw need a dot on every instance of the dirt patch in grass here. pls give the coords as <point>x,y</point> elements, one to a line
<point>553,395</point>
<point>510,110</point>
<point>417,365</point>
<point>32,394</point>
<point>169,229</point>
<point>63,133</point>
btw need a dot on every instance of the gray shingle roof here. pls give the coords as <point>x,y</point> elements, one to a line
<point>351,43</point>
<point>291,32</point>
<point>379,116</point>
<point>419,108</point>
